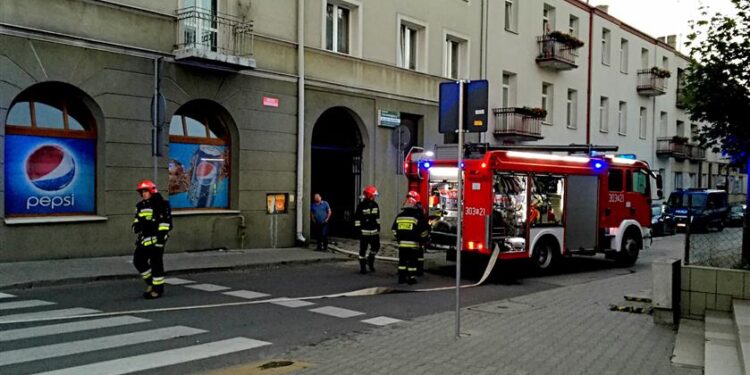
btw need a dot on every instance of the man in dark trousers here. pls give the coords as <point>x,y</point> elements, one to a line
<point>152,223</point>
<point>412,231</point>
<point>367,222</point>
<point>320,214</point>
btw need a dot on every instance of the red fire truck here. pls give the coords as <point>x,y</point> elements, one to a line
<point>537,205</point>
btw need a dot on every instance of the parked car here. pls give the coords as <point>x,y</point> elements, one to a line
<point>736,215</point>
<point>708,208</point>
<point>662,220</point>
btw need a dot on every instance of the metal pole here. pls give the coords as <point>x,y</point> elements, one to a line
<point>686,258</point>
<point>154,120</point>
<point>460,197</point>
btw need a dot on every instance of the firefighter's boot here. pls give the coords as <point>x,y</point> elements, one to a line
<point>371,262</point>
<point>156,292</point>
<point>362,266</point>
<point>401,277</point>
<point>149,286</point>
<point>412,280</point>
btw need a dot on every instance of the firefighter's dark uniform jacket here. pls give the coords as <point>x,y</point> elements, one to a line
<point>367,218</point>
<point>411,228</point>
<point>153,221</point>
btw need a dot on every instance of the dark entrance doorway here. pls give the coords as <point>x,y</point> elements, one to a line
<point>337,166</point>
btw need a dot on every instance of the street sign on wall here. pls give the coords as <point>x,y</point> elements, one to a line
<point>389,119</point>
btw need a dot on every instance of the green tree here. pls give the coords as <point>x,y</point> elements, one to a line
<point>717,87</point>
<point>717,83</point>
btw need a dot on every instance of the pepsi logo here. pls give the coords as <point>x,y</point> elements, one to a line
<point>50,168</point>
<point>205,170</point>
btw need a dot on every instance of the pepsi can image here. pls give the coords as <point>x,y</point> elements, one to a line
<point>206,166</point>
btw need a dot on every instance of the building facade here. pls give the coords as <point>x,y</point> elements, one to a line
<point>259,104</point>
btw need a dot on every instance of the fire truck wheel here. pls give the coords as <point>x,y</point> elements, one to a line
<point>545,254</point>
<point>631,246</point>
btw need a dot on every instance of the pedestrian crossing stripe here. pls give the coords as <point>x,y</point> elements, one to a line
<point>336,312</point>
<point>208,287</point>
<point>6,295</point>
<point>162,359</point>
<point>24,304</point>
<point>246,294</point>
<point>11,357</point>
<point>55,329</point>
<point>177,281</point>
<point>631,309</point>
<point>381,321</point>
<point>43,315</point>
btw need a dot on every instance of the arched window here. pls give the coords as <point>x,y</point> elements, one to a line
<point>199,162</point>
<point>50,153</point>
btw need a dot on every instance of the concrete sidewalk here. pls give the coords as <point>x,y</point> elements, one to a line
<point>49,272</point>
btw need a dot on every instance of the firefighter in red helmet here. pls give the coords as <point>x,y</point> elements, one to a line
<point>367,223</point>
<point>420,251</point>
<point>412,231</point>
<point>152,223</point>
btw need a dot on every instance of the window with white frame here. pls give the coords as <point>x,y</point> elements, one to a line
<point>547,102</point>
<point>548,19</point>
<point>644,58</point>
<point>680,128</point>
<point>604,114</point>
<point>338,28</point>
<point>573,26</point>
<point>622,118</point>
<point>456,55</point>
<point>509,97</point>
<point>642,123</point>
<point>511,15</point>
<point>624,56</point>
<point>678,180</point>
<point>572,109</point>
<point>606,35</point>
<point>411,48</point>
<point>663,119</point>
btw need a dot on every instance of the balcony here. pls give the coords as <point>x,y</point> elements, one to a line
<point>652,82</point>
<point>696,153</point>
<point>557,51</point>
<point>519,124</point>
<point>676,147</point>
<point>208,38</point>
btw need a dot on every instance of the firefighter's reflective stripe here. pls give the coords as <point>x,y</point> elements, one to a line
<point>146,274</point>
<point>369,232</point>
<point>158,280</point>
<point>408,244</point>
<point>148,241</point>
<point>374,211</point>
<point>135,221</point>
<point>412,269</point>
<point>406,223</point>
<point>146,213</point>
<point>357,223</point>
<point>164,226</point>
<point>425,234</point>
<point>402,268</point>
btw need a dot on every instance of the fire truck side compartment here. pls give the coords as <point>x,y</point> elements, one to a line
<point>581,226</point>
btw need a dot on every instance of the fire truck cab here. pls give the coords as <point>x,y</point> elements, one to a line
<point>537,206</point>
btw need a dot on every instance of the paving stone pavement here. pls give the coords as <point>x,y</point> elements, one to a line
<point>567,330</point>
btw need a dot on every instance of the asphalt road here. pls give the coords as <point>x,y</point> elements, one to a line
<point>138,327</point>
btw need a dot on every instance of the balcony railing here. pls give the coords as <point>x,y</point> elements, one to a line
<point>514,123</point>
<point>207,36</point>
<point>696,153</point>
<point>651,83</point>
<point>555,55</point>
<point>676,147</point>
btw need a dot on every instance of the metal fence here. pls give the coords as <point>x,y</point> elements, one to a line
<point>714,248</point>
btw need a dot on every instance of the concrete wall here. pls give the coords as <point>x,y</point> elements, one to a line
<point>707,288</point>
<point>120,86</point>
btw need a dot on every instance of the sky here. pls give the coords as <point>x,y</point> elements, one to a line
<point>662,17</point>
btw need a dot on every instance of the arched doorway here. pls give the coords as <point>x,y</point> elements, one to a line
<point>337,166</point>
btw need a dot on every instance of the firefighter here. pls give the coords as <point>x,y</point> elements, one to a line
<point>420,251</point>
<point>367,222</point>
<point>152,223</point>
<point>411,231</point>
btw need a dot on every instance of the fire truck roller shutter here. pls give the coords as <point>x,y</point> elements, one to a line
<point>546,245</point>
<point>630,242</point>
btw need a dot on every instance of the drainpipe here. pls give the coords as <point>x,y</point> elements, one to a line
<point>483,51</point>
<point>588,83</point>
<point>300,116</point>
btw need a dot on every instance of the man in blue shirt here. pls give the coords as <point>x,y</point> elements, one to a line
<point>320,214</point>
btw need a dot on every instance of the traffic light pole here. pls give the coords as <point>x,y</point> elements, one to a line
<point>460,198</point>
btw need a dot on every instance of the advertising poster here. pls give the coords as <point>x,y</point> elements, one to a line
<point>49,176</point>
<point>198,176</point>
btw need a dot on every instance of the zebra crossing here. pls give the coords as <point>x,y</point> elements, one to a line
<point>46,321</point>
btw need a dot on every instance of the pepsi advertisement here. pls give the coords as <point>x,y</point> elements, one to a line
<point>49,176</point>
<point>198,176</point>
